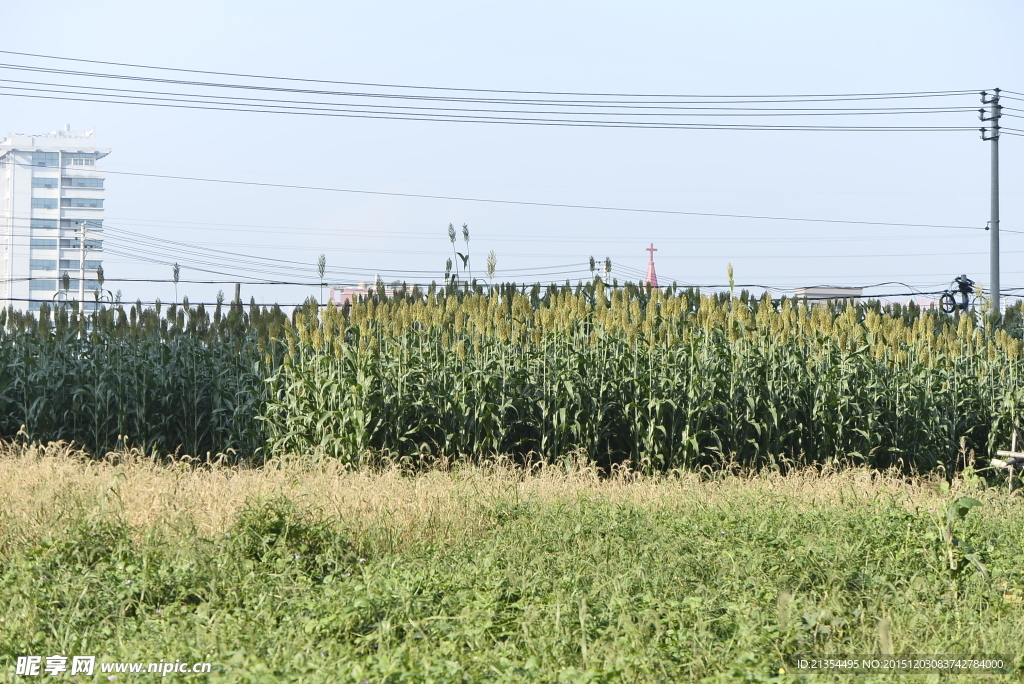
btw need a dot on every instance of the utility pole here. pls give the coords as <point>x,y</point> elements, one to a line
<point>990,134</point>
<point>81,265</point>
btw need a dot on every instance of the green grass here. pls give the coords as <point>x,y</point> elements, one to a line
<point>506,580</point>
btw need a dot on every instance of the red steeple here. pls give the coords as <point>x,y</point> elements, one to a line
<point>652,277</point>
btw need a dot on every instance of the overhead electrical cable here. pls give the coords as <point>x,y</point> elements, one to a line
<point>697,105</point>
<point>204,252</point>
<point>673,111</point>
<point>189,258</point>
<point>884,295</point>
<point>629,113</point>
<point>139,223</point>
<point>572,123</point>
<point>480,90</point>
<point>538,204</point>
<point>543,204</point>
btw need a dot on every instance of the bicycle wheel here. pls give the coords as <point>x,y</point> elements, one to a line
<point>947,302</point>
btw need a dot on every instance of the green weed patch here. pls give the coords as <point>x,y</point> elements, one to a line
<point>571,588</point>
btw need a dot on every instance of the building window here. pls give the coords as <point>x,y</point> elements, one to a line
<point>90,264</point>
<point>42,264</point>
<point>81,202</point>
<point>72,243</point>
<point>44,182</point>
<point>90,285</point>
<point>82,182</point>
<point>79,159</point>
<point>91,224</point>
<point>36,305</point>
<point>42,285</point>
<point>45,158</point>
<point>47,224</point>
<point>44,203</point>
<point>43,243</point>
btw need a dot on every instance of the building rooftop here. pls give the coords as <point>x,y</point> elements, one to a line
<point>826,292</point>
<point>60,140</point>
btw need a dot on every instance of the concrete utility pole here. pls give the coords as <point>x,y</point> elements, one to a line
<point>81,265</point>
<point>991,134</point>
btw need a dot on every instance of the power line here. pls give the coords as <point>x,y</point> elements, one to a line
<point>667,109</point>
<point>519,237</point>
<point>570,123</point>
<point>912,290</point>
<point>406,111</point>
<point>135,236</point>
<point>851,296</point>
<point>249,264</point>
<point>540,204</point>
<point>534,204</point>
<point>342,277</point>
<point>480,90</point>
<point>191,261</point>
<point>627,271</point>
<point>241,263</point>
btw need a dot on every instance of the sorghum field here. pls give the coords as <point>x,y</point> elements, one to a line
<point>661,380</point>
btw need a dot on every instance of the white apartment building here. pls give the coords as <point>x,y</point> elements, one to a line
<point>51,188</point>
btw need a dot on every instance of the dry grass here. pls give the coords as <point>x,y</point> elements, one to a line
<point>55,481</point>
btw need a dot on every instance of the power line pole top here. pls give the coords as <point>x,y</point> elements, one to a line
<point>990,133</point>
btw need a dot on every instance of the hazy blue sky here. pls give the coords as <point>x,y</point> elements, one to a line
<point>669,47</point>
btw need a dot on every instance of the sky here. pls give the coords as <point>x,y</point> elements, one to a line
<point>723,48</point>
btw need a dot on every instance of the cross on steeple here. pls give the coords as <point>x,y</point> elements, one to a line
<point>652,277</point>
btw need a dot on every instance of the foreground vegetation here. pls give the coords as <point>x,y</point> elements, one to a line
<point>659,379</point>
<point>311,572</point>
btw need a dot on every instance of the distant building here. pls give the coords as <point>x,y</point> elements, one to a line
<point>824,293</point>
<point>50,185</point>
<point>340,296</point>
<point>921,303</point>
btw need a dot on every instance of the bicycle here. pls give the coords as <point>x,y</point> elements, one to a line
<point>964,286</point>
